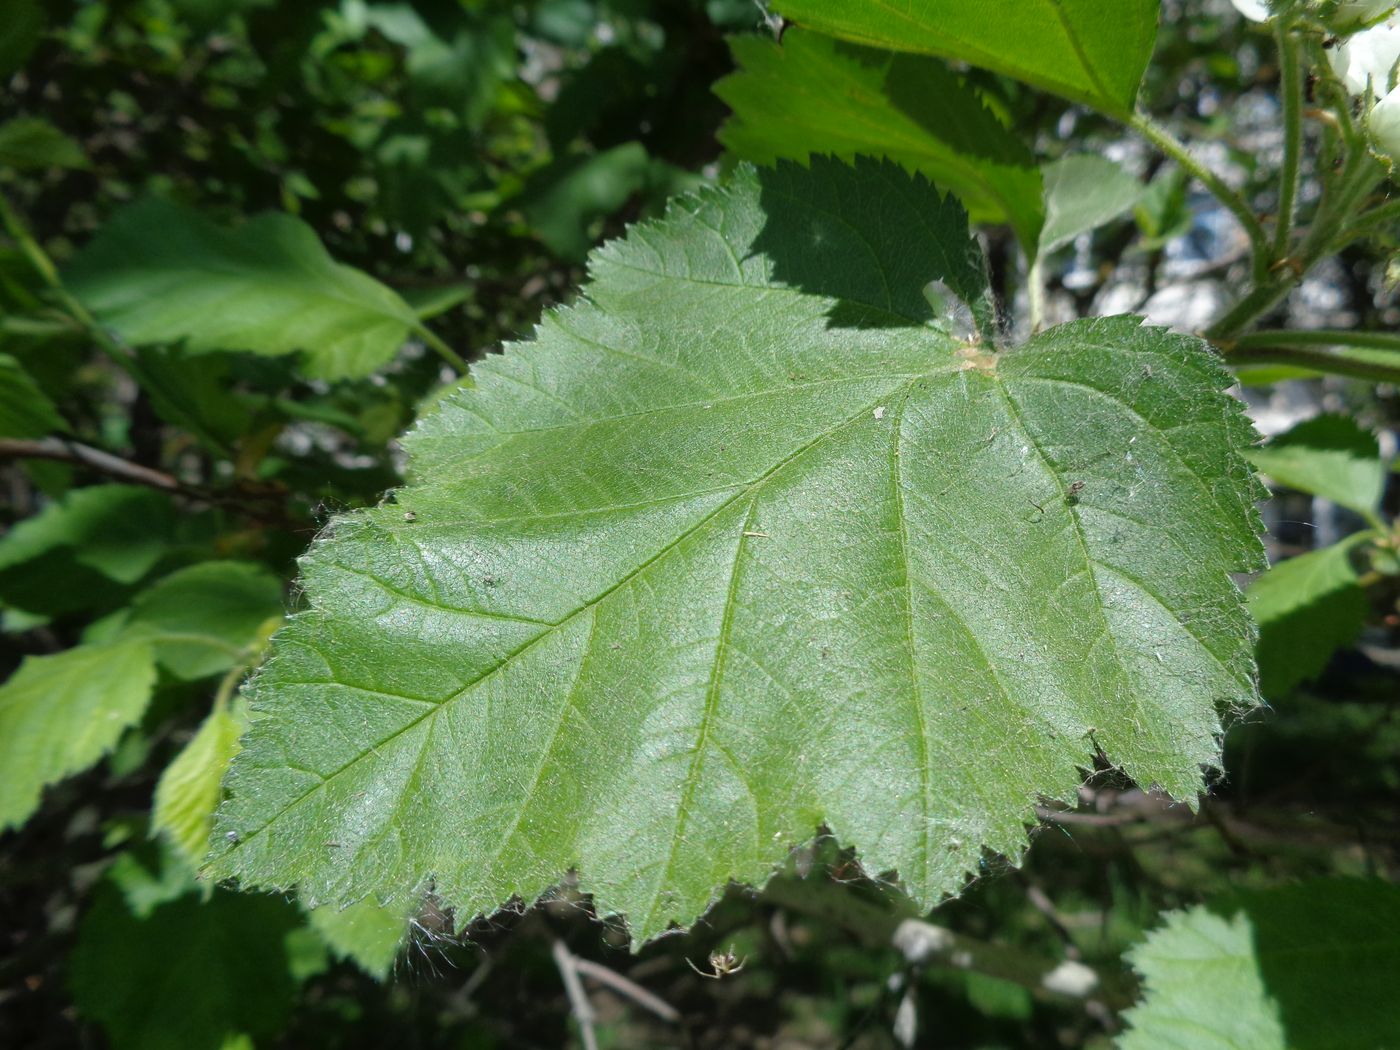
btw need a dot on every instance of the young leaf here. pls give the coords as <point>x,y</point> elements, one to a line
<point>811,94</point>
<point>1083,191</point>
<point>1075,48</point>
<point>743,545</point>
<point>189,790</point>
<point>187,975</point>
<point>1302,967</point>
<point>158,272</point>
<point>1328,456</point>
<point>25,410</point>
<point>366,933</point>
<point>59,714</point>
<point>207,618</point>
<point>1307,608</point>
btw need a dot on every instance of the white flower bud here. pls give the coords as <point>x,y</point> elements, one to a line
<point>1254,10</point>
<point>1369,57</point>
<point>1353,14</point>
<point>1384,126</point>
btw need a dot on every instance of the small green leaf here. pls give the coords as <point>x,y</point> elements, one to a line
<point>1074,48</point>
<point>1083,191</point>
<point>1329,456</point>
<point>366,933</point>
<point>743,545</point>
<point>1307,967</point>
<point>158,272</point>
<point>812,94</point>
<point>563,199</point>
<point>208,618</point>
<point>59,714</point>
<point>25,410</point>
<point>30,144</point>
<point>189,974</point>
<point>1307,608</point>
<point>119,530</point>
<point>189,790</point>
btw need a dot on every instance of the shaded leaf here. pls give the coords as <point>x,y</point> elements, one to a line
<point>1083,191</point>
<point>208,618</point>
<point>59,714</point>
<point>1071,47</point>
<point>1302,967</point>
<point>119,530</point>
<point>742,545</point>
<point>159,272</point>
<point>812,94</point>
<point>189,974</point>
<point>25,410</point>
<point>1329,456</point>
<point>30,143</point>
<point>1307,608</point>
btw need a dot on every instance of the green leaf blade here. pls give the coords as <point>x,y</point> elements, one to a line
<point>1329,456</point>
<point>1073,48</point>
<point>59,714</point>
<point>664,661</point>
<point>159,272</point>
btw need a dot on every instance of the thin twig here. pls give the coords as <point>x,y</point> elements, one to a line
<point>74,452</point>
<point>1291,88</point>
<point>579,1003</point>
<point>623,986</point>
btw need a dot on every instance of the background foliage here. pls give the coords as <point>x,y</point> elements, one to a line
<point>248,243</point>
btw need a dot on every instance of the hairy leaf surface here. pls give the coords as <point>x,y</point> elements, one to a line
<point>743,545</point>
<point>1081,49</point>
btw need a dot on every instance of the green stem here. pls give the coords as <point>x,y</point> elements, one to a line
<point>1320,337</point>
<point>1366,221</point>
<point>1165,141</point>
<point>1291,87</point>
<point>1314,360</point>
<point>444,351</point>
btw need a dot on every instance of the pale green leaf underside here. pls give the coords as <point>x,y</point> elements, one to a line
<point>741,546</point>
<point>1085,50</point>
<point>161,273</point>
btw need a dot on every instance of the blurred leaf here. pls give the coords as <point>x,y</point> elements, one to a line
<point>1312,966</point>
<point>119,530</point>
<point>189,974</point>
<point>193,391</point>
<point>1162,211</point>
<point>1329,456</point>
<point>1082,192</point>
<point>29,144</point>
<point>20,31</point>
<point>151,874</point>
<point>430,302</point>
<point>366,933</point>
<point>208,618</point>
<point>25,410</point>
<point>564,198</point>
<point>1307,607</point>
<point>59,714</point>
<point>813,95</point>
<point>1069,47</point>
<point>190,788</point>
<point>158,272</point>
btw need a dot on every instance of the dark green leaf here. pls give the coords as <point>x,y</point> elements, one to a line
<point>30,143</point>
<point>119,530</point>
<point>25,410</point>
<point>812,95</point>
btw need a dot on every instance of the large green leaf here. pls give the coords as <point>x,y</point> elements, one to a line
<point>812,94</point>
<point>1080,49</point>
<point>158,272</point>
<point>743,545</point>
<point>59,714</point>
<point>1307,967</point>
